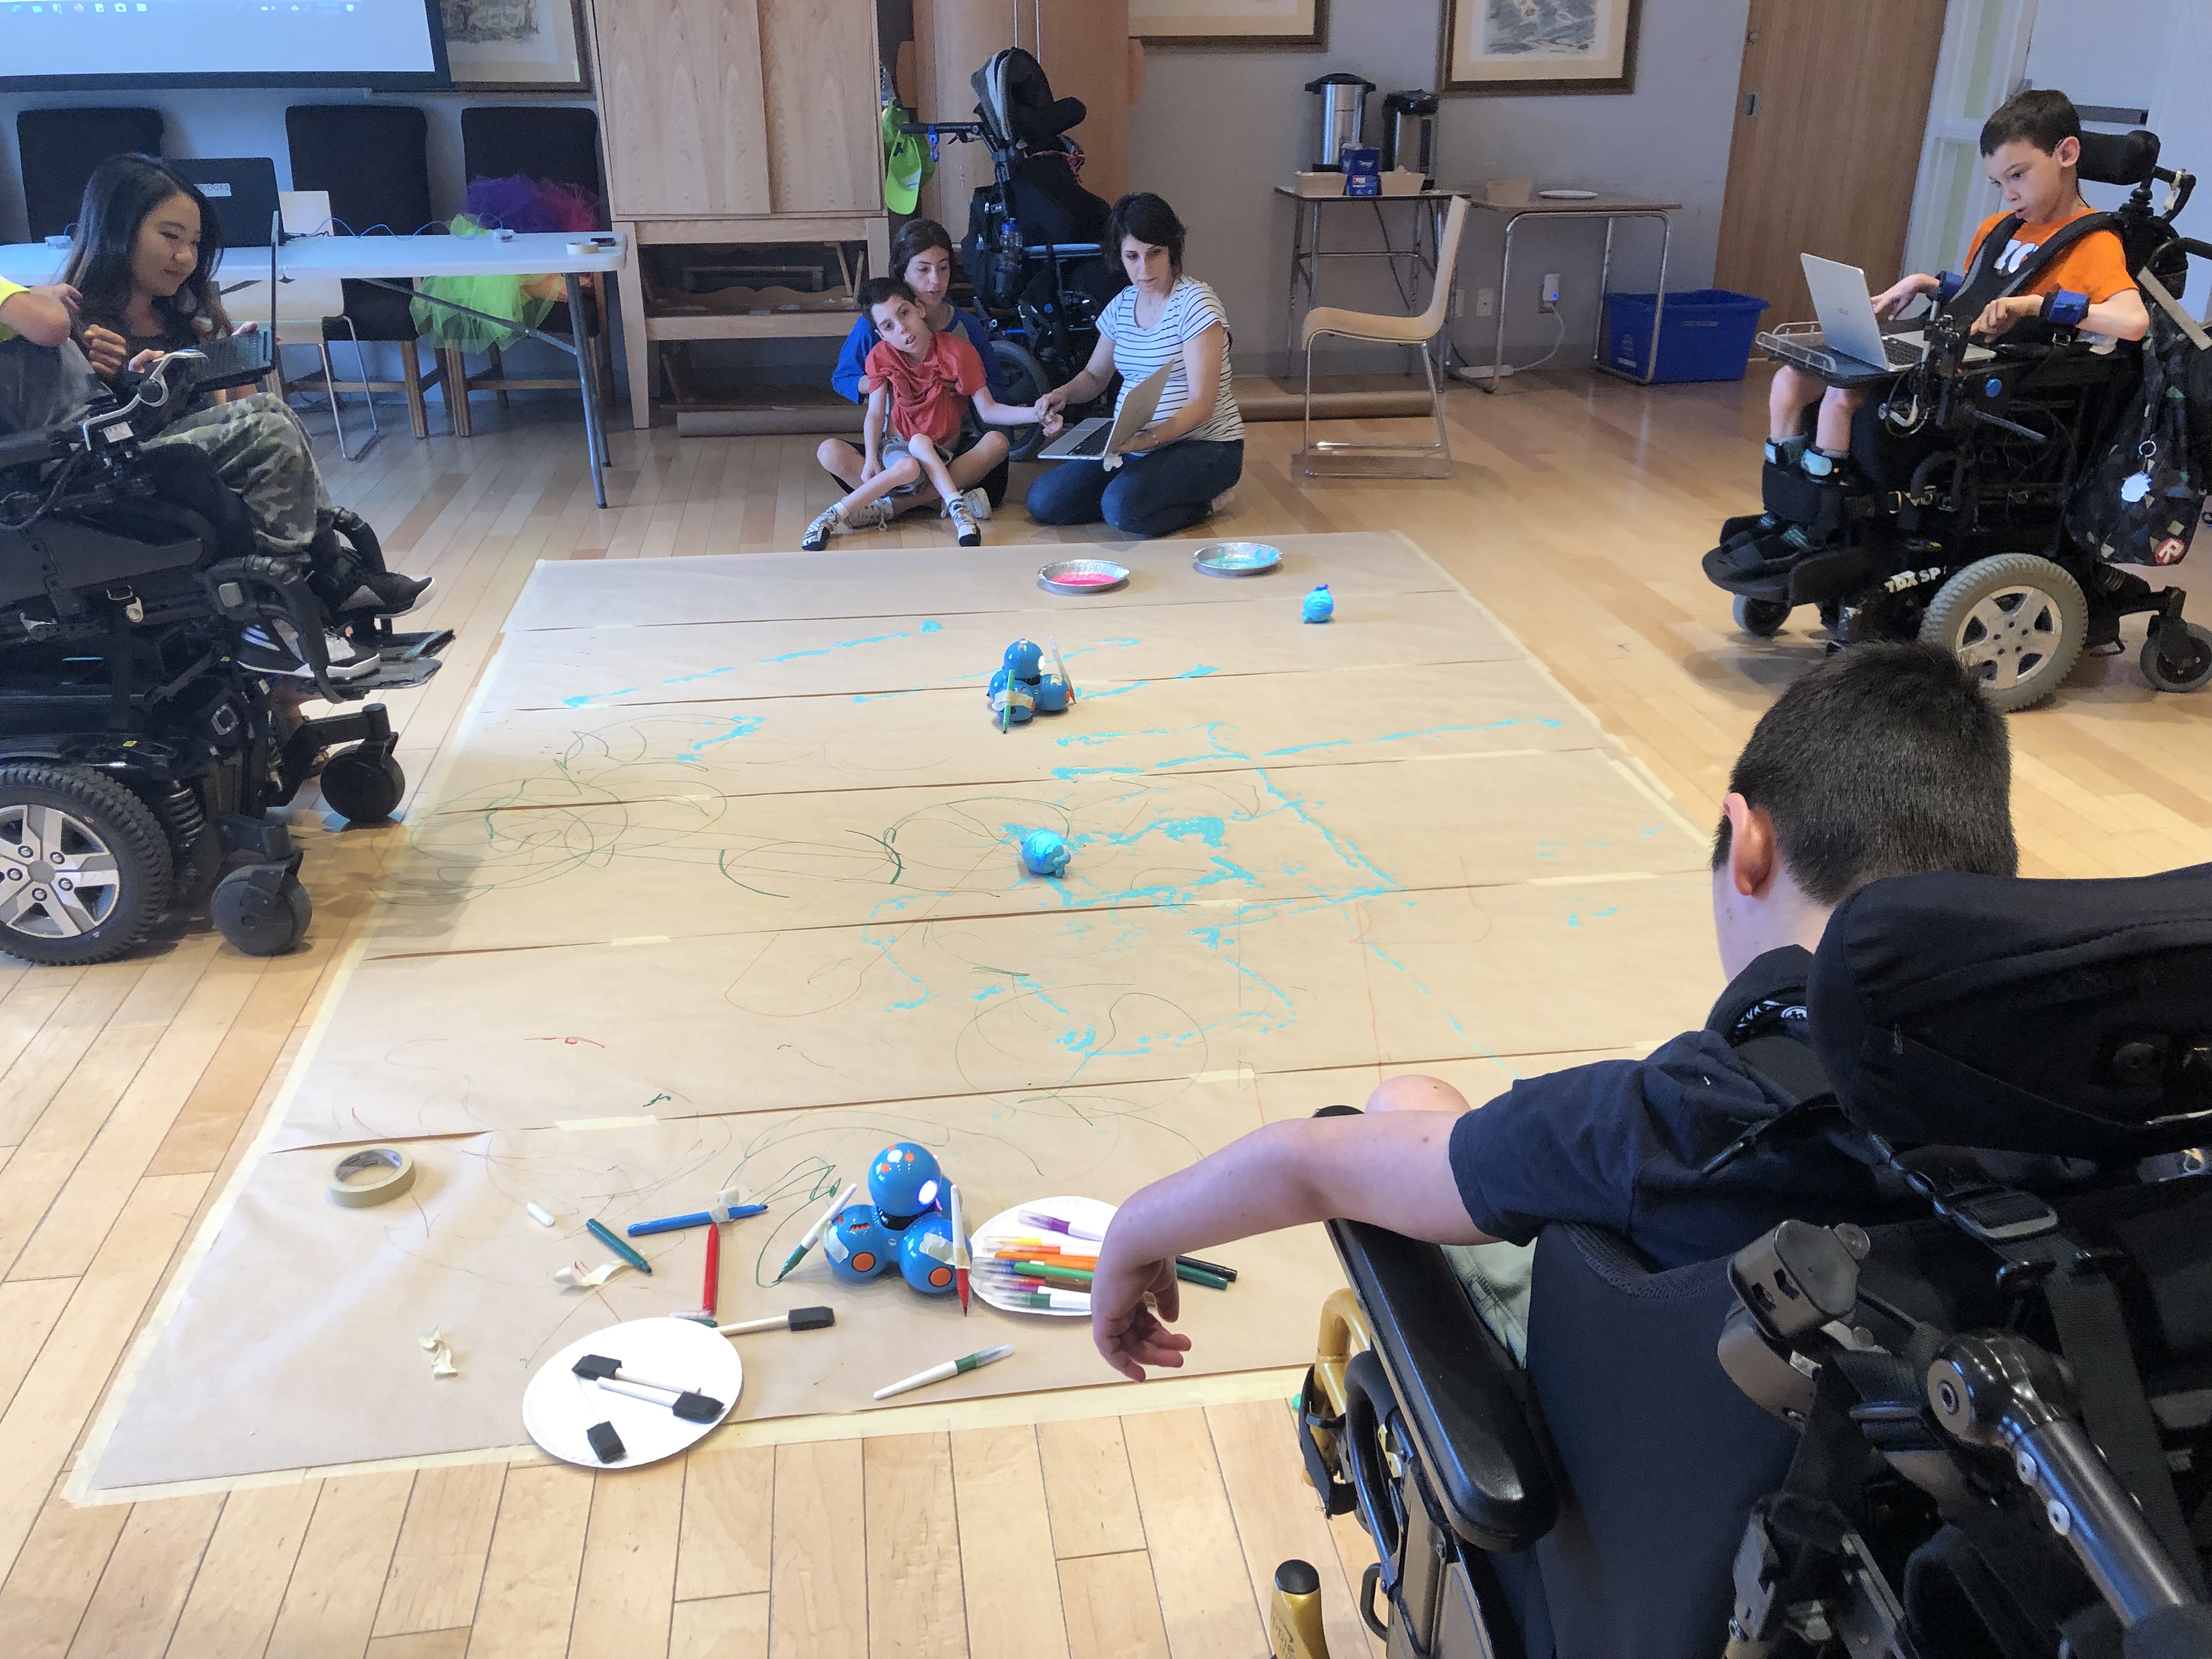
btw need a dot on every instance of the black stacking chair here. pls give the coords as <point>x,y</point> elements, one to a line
<point>538,141</point>
<point>374,159</point>
<point>61,147</point>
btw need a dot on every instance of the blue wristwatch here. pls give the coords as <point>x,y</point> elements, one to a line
<point>2066,307</point>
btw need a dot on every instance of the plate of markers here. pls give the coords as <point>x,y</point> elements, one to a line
<point>1038,1257</point>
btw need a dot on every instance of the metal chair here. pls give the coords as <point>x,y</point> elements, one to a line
<point>1328,458</point>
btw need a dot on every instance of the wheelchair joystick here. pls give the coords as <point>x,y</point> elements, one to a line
<point>2006,1395</point>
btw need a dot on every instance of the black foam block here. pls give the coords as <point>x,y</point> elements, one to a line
<point>606,1444</point>
<point>812,1319</point>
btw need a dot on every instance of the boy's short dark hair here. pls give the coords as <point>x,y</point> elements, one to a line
<point>2044,117</point>
<point>877,290</point>
<point>1885,760</point>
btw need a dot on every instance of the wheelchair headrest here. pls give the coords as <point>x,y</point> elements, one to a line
<point>1015,103</point>
<point>2118,158</point>
<point>2064,1017</point>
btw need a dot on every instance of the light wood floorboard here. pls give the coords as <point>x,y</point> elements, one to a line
<point>1577,510</point>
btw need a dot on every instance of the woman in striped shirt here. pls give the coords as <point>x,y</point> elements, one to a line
<point>1175,470</point>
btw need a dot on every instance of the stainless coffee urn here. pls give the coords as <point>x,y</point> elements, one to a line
<point>1341,116</point>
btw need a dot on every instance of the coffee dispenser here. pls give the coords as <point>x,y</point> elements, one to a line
<point>1341,116</point>
<point>1409,135</point>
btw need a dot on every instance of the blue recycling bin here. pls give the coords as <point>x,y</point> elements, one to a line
<point>1704,334</point>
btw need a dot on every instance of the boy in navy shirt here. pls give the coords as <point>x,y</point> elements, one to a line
<point>1884,761</point>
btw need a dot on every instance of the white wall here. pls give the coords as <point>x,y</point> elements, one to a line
<point>1215,131</point>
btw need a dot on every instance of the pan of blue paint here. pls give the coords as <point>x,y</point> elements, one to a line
<point>1235,559</point>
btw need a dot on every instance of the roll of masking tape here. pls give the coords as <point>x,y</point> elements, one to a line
<point>388,1173</point>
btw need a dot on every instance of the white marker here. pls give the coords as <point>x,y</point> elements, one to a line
<point>814,1233</point>
<point>950,1368</point>
<point>540,1214</point>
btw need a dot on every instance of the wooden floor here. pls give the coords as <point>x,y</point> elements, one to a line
<point>1577,511</point>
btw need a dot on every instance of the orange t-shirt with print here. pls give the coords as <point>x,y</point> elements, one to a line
<point>2097,265</point>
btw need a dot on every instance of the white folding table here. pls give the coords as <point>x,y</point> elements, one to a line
<point>394,262</point>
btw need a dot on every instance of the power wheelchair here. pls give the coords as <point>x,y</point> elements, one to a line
<point>1984,1433</point>
<point>1032,253</point>
<point>1973,517</point>
<point>136,752</point>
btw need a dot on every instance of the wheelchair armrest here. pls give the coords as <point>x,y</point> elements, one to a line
<point>1462,1398</point>
<point>35,448</point>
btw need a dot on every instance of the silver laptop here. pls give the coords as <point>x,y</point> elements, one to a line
<point>1100,438</point>
<point>1849,327</point>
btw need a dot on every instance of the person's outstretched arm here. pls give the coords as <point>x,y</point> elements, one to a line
<point>41,315</point>
<point>1392,1169</point>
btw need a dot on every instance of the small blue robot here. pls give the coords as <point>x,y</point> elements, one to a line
<point>860,1248</point>
<point>904,1182</point>
<point>1320,604</point>
<point>1020,689</point>
<point>924,1255</point>
<point>1044,854</point>
<point>902,1224</point>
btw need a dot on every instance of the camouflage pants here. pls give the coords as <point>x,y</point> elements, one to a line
<point>261,451</point>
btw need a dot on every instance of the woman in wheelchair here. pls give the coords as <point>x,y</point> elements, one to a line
<point>144,268</point>
<point>1879,762</point>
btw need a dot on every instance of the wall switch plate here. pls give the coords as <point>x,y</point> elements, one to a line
<point>1486,302</point>
<point>1548,298</point>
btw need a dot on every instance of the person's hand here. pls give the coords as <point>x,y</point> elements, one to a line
<point>68,297</point>
<point>1048,406</point>
<point>243,328</point>
<point>145,360</point>
<point>1148,438</point>
<point>1130,1333</point>
<point>1893,299</point>
<point>2000,315</point>
<point>103,349</point>
<point>1046,416</point>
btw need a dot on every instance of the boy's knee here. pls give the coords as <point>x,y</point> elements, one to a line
<point>1840,397</point>
<point>1416,1093</point>
<point>829,452</point>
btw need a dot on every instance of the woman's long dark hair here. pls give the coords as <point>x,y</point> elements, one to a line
<point>1149,219</point>
<point>118,197</point>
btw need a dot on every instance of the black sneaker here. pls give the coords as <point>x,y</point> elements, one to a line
<point>386,593</point>
<point>273,648</point>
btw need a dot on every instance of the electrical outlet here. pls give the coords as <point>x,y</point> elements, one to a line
<point>1548,299</point>
<point>1486,302</point>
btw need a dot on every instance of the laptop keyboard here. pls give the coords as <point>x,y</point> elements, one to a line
<point>235,358</point>
<point>1093,442</point>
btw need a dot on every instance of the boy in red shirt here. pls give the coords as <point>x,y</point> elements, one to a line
<point>2030,149</point>
<point>921,383</point>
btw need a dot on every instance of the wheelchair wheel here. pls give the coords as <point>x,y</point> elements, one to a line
<point>362,789</point>
<point>1026,381</point>
<point>2018,621</point>
<point>1761,618</point>
<point>2154,667</point>
<point>262,910</point>
<point>84,866</point>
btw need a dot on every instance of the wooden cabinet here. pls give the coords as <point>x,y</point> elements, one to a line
<point>1085,49</point>
<point>736,123</point>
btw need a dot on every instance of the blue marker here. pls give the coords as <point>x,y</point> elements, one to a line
<point>722,1210</point>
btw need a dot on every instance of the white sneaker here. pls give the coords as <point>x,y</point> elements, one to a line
<point>876,515</point>
<point>829,523</point>
<point>964,522</point>
<point>275,649</point>
<point>1222,503</point>
<point>979,504</point>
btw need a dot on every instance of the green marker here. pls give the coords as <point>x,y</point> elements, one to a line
<point>1048,1301</point>
<point>606,1236</point>
<point>950,1368</point>
<point>814,1233</point>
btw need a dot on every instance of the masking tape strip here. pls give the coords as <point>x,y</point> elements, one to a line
<point>398,1176</point>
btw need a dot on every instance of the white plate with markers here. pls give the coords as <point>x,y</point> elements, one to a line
<point>1008,1229</point>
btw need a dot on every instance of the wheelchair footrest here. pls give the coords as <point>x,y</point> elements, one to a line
<point>412,648</point>
<point>1790,496</point>
<point>401,675</point>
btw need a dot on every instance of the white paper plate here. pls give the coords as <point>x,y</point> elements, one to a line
<point>558,1406</point>
<point>1007,1224</point>
<point>1568,195</point>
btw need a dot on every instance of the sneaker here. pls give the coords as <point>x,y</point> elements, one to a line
<point>876,515</point>
<point>386,593</point>
<point>965,530</point>
<point>979,504</point>
<point>273,648</point>
<point>818,534</point>
<point>1222,503</point>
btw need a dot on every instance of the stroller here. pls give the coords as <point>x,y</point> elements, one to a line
<point>1032,251</point>
<point>1993,510</point>
<point>137,751</point>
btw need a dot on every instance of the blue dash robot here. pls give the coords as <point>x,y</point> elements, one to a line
<point>902,1224</point>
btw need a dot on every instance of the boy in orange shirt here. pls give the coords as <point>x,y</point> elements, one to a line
<point>919,383</point>
<point>2030,149</point>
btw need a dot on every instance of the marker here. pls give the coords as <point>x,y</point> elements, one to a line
<point>714,1287</point>
<point>950,1368</point>
<point>1058,1275</point>
<point>540,1214</point>
<point>1219,1272</point>
<point>814,1233</point>
<point>720,1210</point>
<point>1053,1224</point>
<point>1061,666</point>
<point>605,1235</point>
<point>799,1319</point>
<point>1058,1258</point>
<point>1048,1301</point>
<point>962,1262</point>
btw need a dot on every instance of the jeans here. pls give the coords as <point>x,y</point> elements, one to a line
<point>1154,494</point>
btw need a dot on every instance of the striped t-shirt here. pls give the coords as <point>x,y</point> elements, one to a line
<point>1191,308</point>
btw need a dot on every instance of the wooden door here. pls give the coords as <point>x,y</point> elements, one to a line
<point>679,87</point>
<point>825,151</point>
<point>1830,111</point>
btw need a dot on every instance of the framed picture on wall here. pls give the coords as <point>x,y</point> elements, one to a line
<point>1539,46</point>
<point>1297,23</point>
<point>516,46</point>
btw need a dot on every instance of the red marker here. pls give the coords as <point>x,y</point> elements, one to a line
<point>960,1261</point>
<point>714,1269</point>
